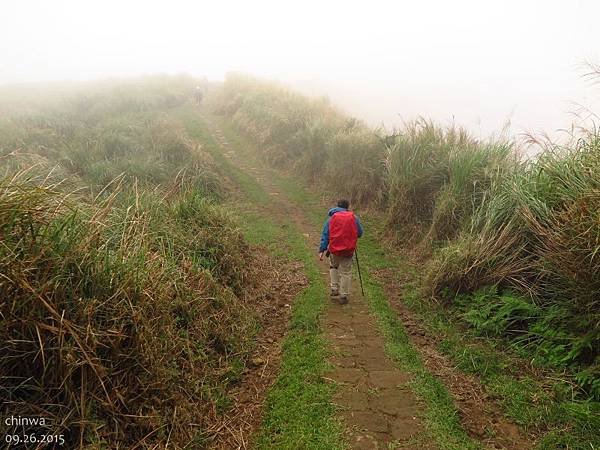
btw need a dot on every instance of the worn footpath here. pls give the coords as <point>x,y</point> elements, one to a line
<point>374,400</point>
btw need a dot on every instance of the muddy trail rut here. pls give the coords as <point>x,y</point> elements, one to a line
<point>373,397</point>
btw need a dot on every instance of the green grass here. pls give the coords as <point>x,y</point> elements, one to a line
<point>441,416</point>
<point>198,129</point>
<point>299,412</point>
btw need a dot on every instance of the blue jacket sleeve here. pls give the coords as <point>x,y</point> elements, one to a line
<point>359,226</point>
<point>324,237</point>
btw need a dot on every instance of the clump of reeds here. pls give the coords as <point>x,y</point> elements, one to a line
<point>436,177</point>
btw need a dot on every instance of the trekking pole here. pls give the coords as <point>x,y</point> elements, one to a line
<point>359,275</point>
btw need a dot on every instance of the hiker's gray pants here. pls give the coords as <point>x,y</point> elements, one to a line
<point>340,270</point>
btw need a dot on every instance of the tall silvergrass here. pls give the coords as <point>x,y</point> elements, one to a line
<point>437,177</point>
<point>356,165</point>
<point>549,207</point>
<point>117,322</point>
<point>123,283</point>
<point>539,234</point>
<point>483,218</point>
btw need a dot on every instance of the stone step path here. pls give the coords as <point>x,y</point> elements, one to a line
<point>375,401</point>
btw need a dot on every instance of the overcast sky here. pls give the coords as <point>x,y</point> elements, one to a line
<point>479,63</point>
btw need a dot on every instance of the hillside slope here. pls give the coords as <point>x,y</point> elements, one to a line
<point>131,300</point>
<point>507,248</point>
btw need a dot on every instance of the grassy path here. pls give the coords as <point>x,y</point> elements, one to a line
<point>372,394</point>
<point>299,412</point>
<point>350,376</point>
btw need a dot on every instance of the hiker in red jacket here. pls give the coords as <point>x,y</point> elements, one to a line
<point>340,233</point>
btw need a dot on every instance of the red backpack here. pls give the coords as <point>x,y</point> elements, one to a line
<point>343,233</point>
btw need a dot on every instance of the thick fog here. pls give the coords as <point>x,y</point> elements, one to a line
<point>477,63</point>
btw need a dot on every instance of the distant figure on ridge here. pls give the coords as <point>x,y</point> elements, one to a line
<point>198,95</point>
<point>338,241</point>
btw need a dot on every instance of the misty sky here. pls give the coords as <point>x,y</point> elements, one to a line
<point>479,63</point>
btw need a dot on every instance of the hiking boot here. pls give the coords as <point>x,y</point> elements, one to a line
<point>334,293</point>
<point>343,300</point>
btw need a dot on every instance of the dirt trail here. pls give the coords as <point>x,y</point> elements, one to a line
<point>271,297</point>
<point>374,400</point>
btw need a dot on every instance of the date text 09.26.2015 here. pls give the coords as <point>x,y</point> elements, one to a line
<point>34,438</point>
